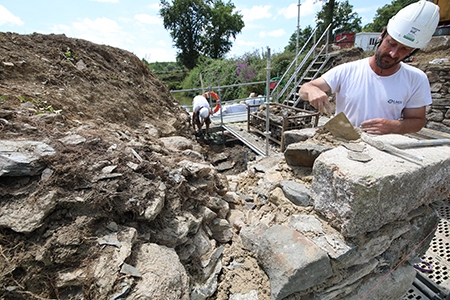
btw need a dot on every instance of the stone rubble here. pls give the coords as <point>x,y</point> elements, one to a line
<point>150,218</point>
<point>354,224</point>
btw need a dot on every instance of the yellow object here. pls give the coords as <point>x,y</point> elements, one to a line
<point>444,6</point>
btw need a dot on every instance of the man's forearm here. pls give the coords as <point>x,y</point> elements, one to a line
<point>410,125</point>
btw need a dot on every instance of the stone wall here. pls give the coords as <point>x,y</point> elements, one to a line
<point>369,218</point>
<point>437,69</point>
<point>438,114</point>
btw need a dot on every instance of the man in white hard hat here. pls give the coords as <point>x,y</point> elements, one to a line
<point>201,115</point>
<point>381,94</point>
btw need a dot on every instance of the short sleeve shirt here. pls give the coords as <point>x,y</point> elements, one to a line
<point>362,94</point>
<point>198,103</point>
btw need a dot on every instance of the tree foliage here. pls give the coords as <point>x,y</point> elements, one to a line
<point>340,15</point>
<point>384,14</point>
<point>303,37</point>
<point>250,67</point>
<point>224,25</point>
<point>200,28</point>
<point>171,73</point>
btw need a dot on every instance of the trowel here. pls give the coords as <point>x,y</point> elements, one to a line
<point>340,127</point>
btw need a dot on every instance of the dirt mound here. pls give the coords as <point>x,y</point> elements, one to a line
<point>54,88</point>
<point>82,80</point>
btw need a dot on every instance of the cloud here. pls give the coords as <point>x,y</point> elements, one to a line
<point>103,25</point>
<point>256,13</point>
<point>101,31</point>
<point>106,31</point>
<point>161,43</point>
<point>154,6</point>
<point>242,42</point>
<point>289,12</point>
<point>147,19</point>
<point>308,8</point>
<point>273,33</point>
<point>6,17</point>
<point>157,54</point>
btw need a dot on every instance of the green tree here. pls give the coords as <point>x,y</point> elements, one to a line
<point>340,15</point>
<point>200,28</point>
<point>223,25</point>
<point>303,37</point>
<point>384,14</point>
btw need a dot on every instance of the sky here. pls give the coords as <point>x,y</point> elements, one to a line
<point>136,26</point>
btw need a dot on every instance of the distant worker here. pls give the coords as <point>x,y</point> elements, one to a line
<point>381,94</point>
<point>201,115</point>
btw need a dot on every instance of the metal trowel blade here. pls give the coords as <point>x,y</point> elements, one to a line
<point>340,126</point>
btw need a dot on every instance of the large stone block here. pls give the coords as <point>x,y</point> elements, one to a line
<point>358,197</point>
<point>292,261</point>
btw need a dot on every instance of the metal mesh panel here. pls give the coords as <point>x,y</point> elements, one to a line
<point>436,261</point>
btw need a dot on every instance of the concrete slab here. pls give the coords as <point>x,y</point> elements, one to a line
<point>359,197</point>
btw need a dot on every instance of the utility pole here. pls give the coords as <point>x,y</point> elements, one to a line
<point>298,27</point>
<point>267,133</point>
<point>298,37</point>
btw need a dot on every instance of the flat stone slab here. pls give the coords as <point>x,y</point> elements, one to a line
<point>359,197</point>
<point>292,262</point>
<point>21,158</point>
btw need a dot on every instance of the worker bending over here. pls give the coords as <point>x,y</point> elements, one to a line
<point>201,115</point>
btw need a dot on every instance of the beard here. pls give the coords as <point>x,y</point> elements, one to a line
<point>385,61</point>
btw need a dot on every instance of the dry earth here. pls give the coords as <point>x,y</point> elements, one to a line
<point>52,86</point>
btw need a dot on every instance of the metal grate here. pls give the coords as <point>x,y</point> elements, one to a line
<point>436,261</point>
<point>414,293</point>
<point>281,119</point>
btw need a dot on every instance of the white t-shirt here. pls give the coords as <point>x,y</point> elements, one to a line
<point>363,95</point>
<point>199,102</point>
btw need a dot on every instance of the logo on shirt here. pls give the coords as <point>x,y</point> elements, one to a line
<point>395,102</point>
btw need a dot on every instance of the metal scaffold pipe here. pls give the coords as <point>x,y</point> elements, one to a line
<point>298,37</point>
<point>215,87</point>
<point>267,133</point>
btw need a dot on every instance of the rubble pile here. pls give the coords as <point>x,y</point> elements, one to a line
<point>105,194</point>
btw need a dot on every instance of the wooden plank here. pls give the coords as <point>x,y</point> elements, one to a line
<point>255,142</point>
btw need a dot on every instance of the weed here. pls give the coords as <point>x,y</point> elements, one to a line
<point>25,99</point>
<point>70,55</point>
<point>42,106</point>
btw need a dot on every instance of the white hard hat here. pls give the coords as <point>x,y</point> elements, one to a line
<point>203,113</point>
<point>414,25</point>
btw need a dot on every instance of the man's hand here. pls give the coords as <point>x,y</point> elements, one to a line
<point>319,100</point>
<point>315,92</point>
<point>380,126</point>
<point>413,120</point>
